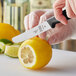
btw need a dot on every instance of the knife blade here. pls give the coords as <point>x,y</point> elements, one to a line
<point>48,24</point>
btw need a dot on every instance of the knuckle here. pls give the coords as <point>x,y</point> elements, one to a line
<point>58,17</point>
<point>55,5</point>
<point>26,17</point>
<point>32,13</point>
<point>41,18</point>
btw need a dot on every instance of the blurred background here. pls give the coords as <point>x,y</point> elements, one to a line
<point>14,11</point>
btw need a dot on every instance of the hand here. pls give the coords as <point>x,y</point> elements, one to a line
<point>70,9</point>
<point>53,36</point>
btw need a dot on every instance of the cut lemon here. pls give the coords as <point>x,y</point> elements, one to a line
<point>35,53</point>
<point>12,51</point>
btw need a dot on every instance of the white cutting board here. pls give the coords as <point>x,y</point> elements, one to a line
<point>63,63</point>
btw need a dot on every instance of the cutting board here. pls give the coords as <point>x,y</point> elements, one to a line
<point>63,63</point>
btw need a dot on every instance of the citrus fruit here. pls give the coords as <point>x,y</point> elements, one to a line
<point>2,47</point>
<point>34,53</point>
<point>12,50</point>
<point>3,43</point>
<point>6,41</point>
<point>17,43</point>
<point>7,31</point>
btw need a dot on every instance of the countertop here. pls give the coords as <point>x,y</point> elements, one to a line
<point>63,63</point>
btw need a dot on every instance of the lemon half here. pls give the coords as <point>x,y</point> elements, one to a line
<point>35,53</point>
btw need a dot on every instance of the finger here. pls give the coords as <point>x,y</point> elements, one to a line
<point>34,18</point>
<point>26,22</point>
<point>75,4</point>
<point>58,5</point>
<point>47,15</point>
<point>44,18</point>
<point>72,5</point>
<point>70,13</point>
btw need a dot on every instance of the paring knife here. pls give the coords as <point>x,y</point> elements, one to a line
<point>48,24</point>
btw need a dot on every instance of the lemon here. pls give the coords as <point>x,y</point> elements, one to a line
<point>17,43</point>
<point>3,43</point>
<point>7,31</point>
<point>2,47</point>
<point>12,50</point>
<point>35,53</point>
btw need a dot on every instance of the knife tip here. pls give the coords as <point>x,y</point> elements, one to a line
<point>14,40</point>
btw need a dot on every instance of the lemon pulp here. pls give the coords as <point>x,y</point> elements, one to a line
<point>28,56</point>
<point>12,50</point>
<point>35,53</point>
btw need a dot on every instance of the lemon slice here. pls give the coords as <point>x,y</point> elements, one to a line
<point>34,53</point>
<point>12,51</point>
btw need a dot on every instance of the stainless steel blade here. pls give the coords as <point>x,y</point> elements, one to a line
<point>32,32</point>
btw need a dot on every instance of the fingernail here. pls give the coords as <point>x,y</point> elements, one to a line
<point>65,23</point>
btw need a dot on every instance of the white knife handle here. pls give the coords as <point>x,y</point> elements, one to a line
<point>53,21</point>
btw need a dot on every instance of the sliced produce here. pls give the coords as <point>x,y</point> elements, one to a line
<point>3,43</point>
<point>35,53</point>
<point>12,50</point>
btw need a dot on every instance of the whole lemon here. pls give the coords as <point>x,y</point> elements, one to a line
<point>7,31</point>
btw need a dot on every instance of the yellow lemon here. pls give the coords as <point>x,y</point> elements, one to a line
<point>34,53</point>
<point>7,31</point>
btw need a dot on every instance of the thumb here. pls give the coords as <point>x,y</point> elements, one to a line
<point>43,18</point>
